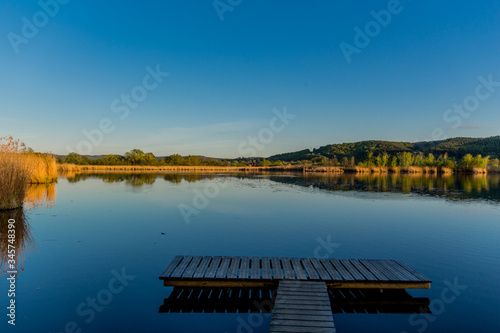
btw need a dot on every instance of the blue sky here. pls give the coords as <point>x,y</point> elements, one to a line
<point>227,76</point>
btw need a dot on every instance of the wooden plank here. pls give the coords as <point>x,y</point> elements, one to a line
<point>323,274</point>
<point>299,270</point>
<point>378,285</point>
<point>244,268</point>
<point>218,272</point>
<point>234,266</point>
<point>266,269</point>
<point>289,329</point>
<point>181,267</point>
<point>301,312</point>
<point>292,316</point>
<point>170,268</point>
<point>192,267</point>
<point>331,270</point>
<point>341,269</point>
<point>352,270</point>
<point>311,271</point>
<point>303,323</point>
<point>255,268</point>
<point>287,268</point>
<point>200,272</point>
<point>374,270</point>
<point>276,267</point>
<point>393,272</point>
<point>223,268</point>
<point>407,275</point>
<point>212,268</point>
<point>410,269</point>
<point>363,270</point>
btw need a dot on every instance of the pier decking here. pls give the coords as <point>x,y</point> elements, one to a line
<point>304,285</point>
<point>197,271</point>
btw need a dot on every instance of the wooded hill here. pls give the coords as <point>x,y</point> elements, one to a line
<point>454,147</point>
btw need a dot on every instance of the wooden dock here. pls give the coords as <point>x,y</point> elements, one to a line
<point>197,271</point>
<point>302,306</point>
<point>303,300</point>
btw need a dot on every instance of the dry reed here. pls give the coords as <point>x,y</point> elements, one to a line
<point>18,168</point>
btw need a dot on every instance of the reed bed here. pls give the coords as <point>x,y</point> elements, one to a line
<point>18,169</point>
<point>175,168</point>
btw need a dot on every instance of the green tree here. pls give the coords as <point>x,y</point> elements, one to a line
<point>394,162</point>
<point>149,159</point>
<point>193,160</point>
<point>467,161</point>
<point>174,159</point>
<point>111,160</point>
<point>480,162</point>
<point>405,159</point>
<point>495,162</point>
<point>75,158</point>
<point>135,157</point>
<point>429,160</point>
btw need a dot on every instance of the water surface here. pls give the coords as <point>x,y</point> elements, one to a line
<point>93,226</point>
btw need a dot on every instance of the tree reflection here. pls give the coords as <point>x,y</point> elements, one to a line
<point>133,178</point>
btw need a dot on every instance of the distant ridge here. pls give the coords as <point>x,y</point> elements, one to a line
<point>455,147</point>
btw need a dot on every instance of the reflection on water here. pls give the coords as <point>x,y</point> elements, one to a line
<point>255,300</point>
<point>135,178</point>
<point>39,195</point>
<point>23,241</point>
<point>455,187</point>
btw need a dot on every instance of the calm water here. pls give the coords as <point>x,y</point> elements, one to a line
<point>88,228</point>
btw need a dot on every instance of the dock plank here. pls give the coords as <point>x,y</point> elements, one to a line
<point>266,269</point>
<point>298,269</point>
<point>212,268</point>
<point>287,268</point>
<point>223,268</point>
<point>181,267</point>
<point>310,270</point>
<point>276,267</point>
<point>335,275</point>
<point>374,270</point>
<point>362,269</point>
<point>352,270</point>
<point>410,269</point>
<point>298,313</point>
<point>342,270</point>
<point>200,272</point>
<point>255,268</point>
<point>323,274</point>
<point>244,268</point>
<point>193,265</point>
<point>170,268</point>
<point>234,266</point>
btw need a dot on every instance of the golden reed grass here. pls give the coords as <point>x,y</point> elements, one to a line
<point>176,168</point>
<point>19,168</point>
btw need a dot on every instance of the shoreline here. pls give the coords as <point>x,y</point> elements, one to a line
<point>298,168</point>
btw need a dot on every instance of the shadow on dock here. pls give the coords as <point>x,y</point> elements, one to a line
<point>262,300</point>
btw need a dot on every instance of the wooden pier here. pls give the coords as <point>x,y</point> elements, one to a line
<point>303,299</point>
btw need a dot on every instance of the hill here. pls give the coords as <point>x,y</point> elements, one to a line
<point>455,147</point>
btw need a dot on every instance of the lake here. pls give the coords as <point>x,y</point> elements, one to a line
<point>110,235</point>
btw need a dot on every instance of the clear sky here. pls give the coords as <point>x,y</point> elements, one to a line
<point>79,65</point>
